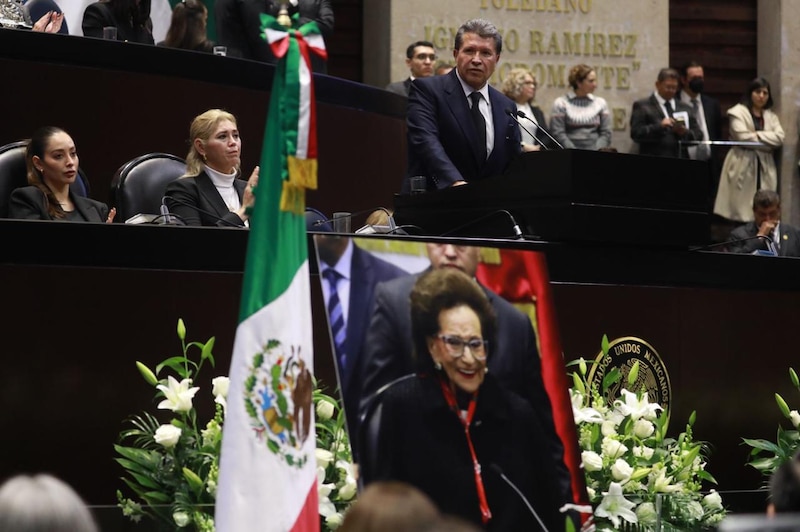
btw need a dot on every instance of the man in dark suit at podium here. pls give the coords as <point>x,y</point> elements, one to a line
<point>767,212</point>
<point>659,122</point>
<point>458,127</point>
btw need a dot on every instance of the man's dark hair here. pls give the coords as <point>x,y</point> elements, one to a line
<point>484,29</point>
<point>412,47</point>
<point>687,66</point>
<point>668,73</point>
<point>784,486</point>
<point>757,83</point>
<point>765,199</point>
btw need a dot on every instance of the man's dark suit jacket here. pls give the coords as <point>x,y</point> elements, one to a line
<point>200,192</point>
<point>442,141</point>
<point>652,138</point>
<point>366,271</point>
<point>99,15</point>
<point>28,203</point>
<point>789,245</point>
<point>400,87</point>
<point>239,26</point>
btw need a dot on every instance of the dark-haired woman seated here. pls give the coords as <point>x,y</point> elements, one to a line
<point>52,162</point>
<point>451,430</point>
<point>130,17</point>
<point>210,193</point>
<point>187,30</point>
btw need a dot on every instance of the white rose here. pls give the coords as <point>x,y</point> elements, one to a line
<point>348,491</point>
<point>612,448</point>
<point>621,470</point>
<point>334,521</point>
<point>591,461</point>
<point>167,436</point>
<point>695,510</point>
<point>181,519</point>
<point>713,501</point>
<point>643,428</point>
<point>643,452</point>
<point>324,410</point>
<point>324,457</point>
<point>219,386</point>
<point>646,512</point>
<point>608,428</point>
<point>794,415</point>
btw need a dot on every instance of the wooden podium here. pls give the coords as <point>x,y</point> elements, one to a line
<point>574,195</point>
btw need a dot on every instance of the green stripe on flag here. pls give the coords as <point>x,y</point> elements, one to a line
<point>277,243</point>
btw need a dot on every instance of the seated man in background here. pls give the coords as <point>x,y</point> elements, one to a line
<point>420,57</point>
<point>767,224</point>
<point>784,488</point>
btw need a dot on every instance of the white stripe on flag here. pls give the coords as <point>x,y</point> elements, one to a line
<point>304,111</point>
<point>258,490</point>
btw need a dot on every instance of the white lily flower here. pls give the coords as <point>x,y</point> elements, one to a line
<point>583,414</point>
<point>608,428</point>
<point>615,506</point>
<point>636,408</point>
<point>324,410</point>
<point>219,388</point>
<point>167,436</point>
<point>178,395</point>
<point>661,483</point>
<point>643,452</point>
<point>591,461</point>
<point>621,470</point>
<point>794,416</point>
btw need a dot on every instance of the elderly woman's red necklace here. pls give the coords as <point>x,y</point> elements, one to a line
<point>466,420</point>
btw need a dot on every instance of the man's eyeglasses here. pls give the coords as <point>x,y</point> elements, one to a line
<point>455,345</point>
<point>423,57</point>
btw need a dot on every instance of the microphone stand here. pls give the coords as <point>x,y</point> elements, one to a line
<point>512,113</point>
<point>523,115</point>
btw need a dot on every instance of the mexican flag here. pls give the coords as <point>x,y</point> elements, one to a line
<point>267,475</point>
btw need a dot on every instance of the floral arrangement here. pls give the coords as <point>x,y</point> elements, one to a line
<point>637,478</point>
<point>172,468</point>
<point>336,481</point>
<point>768,456</point>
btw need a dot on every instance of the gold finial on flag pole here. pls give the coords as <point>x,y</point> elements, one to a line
<point>283,16</point>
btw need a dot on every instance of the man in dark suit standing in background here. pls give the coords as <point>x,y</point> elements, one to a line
<point>659,122</point>
<point>420,58</point>
<point>349,276</point>
<point>458,126</point>
<point>767,212</point>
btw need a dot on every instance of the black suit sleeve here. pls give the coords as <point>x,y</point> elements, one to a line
<point>747,246</point>
<point>94,19</point>
<point>319,11</point>
<point>643,127</point>
<point>27,204</point>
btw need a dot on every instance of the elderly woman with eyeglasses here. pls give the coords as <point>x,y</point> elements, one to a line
<point>451,429</point>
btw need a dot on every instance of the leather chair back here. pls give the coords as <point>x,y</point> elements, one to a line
<point>13,174</point>
<point>139,185</point>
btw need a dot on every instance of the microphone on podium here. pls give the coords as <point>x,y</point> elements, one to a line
<point>770,251</point>
<point>526,117</point>
<point>496,468</point>
<point>196,208</point>
<point>369,229</point>
<point>513,114</point>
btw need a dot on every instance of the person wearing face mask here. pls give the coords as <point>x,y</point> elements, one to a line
<point>211,181</point>
<point>706,109</point>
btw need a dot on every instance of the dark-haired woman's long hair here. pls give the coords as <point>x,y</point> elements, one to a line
<point>37,146</point>
<point>187,30</point>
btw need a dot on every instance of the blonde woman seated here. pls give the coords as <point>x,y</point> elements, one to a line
<point>581,120</point>
<point>210,193</point>
<point>520,86</point>
<point>52,162</point>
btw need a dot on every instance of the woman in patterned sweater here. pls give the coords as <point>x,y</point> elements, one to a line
<point>581,120</point>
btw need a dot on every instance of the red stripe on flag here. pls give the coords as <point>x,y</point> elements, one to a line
<point>308,520</point>
<point>521,277</point>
